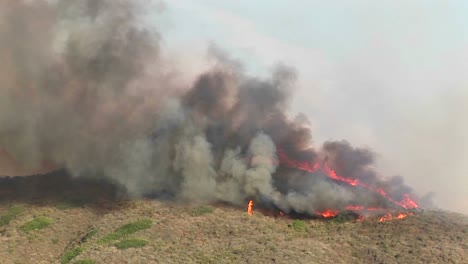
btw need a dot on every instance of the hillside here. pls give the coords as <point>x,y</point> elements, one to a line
<point>55,219</point>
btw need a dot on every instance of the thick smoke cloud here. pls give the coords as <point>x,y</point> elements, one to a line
<point>82,86</point>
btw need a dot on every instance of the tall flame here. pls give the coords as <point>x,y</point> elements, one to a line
<point>250,207</point>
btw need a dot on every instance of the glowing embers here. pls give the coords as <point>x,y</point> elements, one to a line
<point>250,207</point>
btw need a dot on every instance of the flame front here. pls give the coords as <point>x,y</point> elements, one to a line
<point>406,202</point>
<point>390,216</point>
<point>250,207</point>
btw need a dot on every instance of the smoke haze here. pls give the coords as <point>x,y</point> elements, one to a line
<point>387,74</point>
<point>84,86</point>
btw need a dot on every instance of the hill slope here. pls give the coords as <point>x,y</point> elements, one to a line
<point>87,223</point>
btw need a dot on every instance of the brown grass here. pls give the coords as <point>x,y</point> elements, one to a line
<point>227,235</point>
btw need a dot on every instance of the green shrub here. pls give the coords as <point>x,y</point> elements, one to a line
<point>37,223</point>
<point>71,254</point>
<point>126,230</point>
<point>299,225</point>
<point>89,235</point>
<point>131,243</point>
<point>201,210</point>
<point>85,261</point>
<point>13,212</point>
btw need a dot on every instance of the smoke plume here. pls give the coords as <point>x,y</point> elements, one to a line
<point>82,86</point>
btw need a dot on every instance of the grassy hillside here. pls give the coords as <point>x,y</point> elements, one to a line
<point>63,221</point>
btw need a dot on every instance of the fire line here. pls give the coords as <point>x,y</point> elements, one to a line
<point>406,202</point>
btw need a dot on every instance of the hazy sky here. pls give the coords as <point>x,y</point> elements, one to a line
<point>389,75</point>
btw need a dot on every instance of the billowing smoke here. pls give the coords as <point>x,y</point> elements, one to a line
<point>82,86</point>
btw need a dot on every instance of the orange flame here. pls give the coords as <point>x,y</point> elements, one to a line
<point>406,202</point>
<point>401,215</point>
<point>250,207</point>
<point>328,213</point>
<point>390,216</point>
<point>386,217</point>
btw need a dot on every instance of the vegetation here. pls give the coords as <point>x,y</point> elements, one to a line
<point>226,236</point>
<point>85,261</point>
<point>12,213</point>
<point>73,202</point>
<point>65,205</point>
<point>71,254</point>
<point>37,223</point>
<point>89,235</point>
<point>201,210</point>
<point>131,243</point>
<point>299,225</point>
<point>126,230</point>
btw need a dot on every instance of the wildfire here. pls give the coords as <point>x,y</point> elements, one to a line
<point>390,216</point>
<point>401,215</point>
<point>328,213</point>
<point>363,208</point>
<point>355,207</point>
<point>406,202</point>
<point>250,207</point>
<point>386,217</point>
<point>358,208</point>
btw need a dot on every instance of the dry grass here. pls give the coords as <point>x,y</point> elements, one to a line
<point>85,261</point>
<point>172,234</point>
<point>127,230</point>
<point>201,210</point>
<point>12,213</point>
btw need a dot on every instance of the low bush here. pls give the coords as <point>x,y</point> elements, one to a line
<point>37,223</point>
<point>201,210</point>
<point>299,225</point>
<point>89,235</point>
<point>12,213</point>
<point>131,243</point>
<point>71,254</point>
<point>126,230</point>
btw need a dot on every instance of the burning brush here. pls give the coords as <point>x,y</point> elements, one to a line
<point>393,208</point>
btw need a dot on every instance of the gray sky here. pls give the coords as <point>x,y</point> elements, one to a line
<point>389,75</point>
